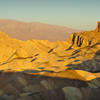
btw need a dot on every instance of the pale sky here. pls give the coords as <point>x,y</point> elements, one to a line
<point>77,14</point>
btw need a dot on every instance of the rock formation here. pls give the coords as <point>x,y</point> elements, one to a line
<point>98,27</point>
<point>44,70</point>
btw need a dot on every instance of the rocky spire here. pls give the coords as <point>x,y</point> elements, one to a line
<point>98,27</point>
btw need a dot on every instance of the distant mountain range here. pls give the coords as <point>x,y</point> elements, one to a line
<point>35,30</point>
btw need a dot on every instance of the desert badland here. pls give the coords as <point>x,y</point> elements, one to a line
<point>44,70</point>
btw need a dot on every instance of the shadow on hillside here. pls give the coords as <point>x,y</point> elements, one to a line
<point>34,87</point>
<point>92,65</point>
<point>23,86</point>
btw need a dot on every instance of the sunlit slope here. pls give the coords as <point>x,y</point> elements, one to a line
<point>77,58</point>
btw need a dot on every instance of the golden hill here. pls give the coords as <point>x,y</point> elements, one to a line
<point>79,56</point>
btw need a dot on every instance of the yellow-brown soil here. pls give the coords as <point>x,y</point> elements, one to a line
<point>55,59</point>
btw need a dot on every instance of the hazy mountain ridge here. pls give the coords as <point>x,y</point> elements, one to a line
<point>36,30</point>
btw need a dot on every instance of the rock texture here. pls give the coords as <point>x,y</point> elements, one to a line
<point>22,86</point>
<point>44,70</point>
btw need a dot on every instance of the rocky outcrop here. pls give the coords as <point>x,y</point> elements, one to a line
<point>22,86</point>
<point>98,27</point>
<point>84,39</point>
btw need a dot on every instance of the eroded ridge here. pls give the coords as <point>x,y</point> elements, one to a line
<point>78,56</point>
<point>44,70</point>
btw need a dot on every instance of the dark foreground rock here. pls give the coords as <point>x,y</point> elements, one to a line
<point>21,86</point>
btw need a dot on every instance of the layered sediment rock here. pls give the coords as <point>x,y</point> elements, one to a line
<point>44,70</point>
